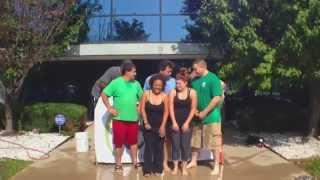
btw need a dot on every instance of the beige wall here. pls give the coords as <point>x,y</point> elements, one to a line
<point>107,51</point>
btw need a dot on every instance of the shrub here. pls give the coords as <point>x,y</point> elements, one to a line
<point>40,116</point>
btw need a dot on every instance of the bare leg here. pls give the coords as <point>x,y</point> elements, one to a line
<point>184,168</point>
<point>216,168</point>
<point>118,155</point>
<point>166,152</point>
<point>175,168</point>
<point>194,158</point>
<point>133,150</point>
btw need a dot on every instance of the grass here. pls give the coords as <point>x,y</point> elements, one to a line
<point>313,167</point>
<point>9,167</point>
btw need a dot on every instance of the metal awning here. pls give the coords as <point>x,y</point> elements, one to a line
<point>114,51</point>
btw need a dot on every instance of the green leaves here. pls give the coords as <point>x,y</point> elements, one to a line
<point>36,31</point>
<point>267,43</point>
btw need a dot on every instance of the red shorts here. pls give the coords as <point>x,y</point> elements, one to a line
<point>124,132</point>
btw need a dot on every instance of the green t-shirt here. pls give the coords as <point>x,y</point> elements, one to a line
<point>207,87</point>
<point>125,95</point>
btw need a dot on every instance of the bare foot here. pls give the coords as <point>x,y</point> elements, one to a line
<point>185,172</point>
<point>215,171</point>
<point>174,172</point>
<point>166,168</point>
<point>192,165</point>
<point>157,174</point>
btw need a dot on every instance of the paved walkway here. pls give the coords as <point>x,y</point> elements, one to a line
<point>242,163</point>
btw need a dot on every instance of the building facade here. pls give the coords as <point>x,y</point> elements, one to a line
<point>138,29</point>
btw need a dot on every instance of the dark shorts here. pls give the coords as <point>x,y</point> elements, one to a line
<point>124,133</point>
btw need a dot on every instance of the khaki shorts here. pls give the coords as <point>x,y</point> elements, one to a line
<point>207,136</point>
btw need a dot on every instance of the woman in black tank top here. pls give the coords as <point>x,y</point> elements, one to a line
<point>154,110</point>
<point>182,103</point>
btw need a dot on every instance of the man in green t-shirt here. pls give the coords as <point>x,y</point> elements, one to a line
<point>207,129</point>
<point>126,93</point>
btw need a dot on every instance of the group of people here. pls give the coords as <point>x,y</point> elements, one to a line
<point>179,116</point>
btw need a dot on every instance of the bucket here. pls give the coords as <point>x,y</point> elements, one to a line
<point>82,142</point>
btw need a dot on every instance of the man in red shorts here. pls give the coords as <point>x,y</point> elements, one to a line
<point>126,92</point>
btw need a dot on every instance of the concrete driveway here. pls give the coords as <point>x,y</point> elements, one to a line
<point>241,163</point>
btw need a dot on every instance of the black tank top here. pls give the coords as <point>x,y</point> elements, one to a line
<point>154,114</point>
<point>182,108</point>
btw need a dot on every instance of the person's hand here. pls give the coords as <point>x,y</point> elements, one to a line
<point>162,131</point>
<point>202,114</point>
<point>196,114</point>
<point>113,111</point>
<point>175,127</point>
<point>147,126</point>
<point>185,127</point>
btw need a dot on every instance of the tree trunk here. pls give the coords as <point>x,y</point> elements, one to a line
<point>8,114</point>
<point>314,105</point>
<point>8,117</point>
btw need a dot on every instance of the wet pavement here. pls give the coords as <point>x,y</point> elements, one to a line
<point>241,163</point>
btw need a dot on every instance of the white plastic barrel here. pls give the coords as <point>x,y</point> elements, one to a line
<point>82,142</point>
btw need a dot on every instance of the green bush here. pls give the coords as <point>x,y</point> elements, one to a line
<point>40,116</point>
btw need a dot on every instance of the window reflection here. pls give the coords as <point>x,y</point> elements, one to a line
<point>174,28</point>
<point>136,6</point>
<point>141,20</point>
<point>98,7</point>
<point>172,6</point>
<point>99,29</point>
<point>136,28</point>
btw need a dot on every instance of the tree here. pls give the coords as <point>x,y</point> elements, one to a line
<point>126,31</point>
<point>32,31</point>
<point>267,44</point>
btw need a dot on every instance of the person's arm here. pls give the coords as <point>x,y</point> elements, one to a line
<point>162,130</point>
<point>140,96</point>
<point>108,91</point>
<point>171,110</point>
<point>171,84</point>
<point>143,111</point>
<point>110,109</point>
<point>194,102</point>
<point>216,94</point>
<point>213,103</point>
<point>146,85</point>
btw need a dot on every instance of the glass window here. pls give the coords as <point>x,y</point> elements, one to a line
<point>99,29</point>
<point>172,6</point>
<point>135,6</point>
<point>98,7</point>
<point>136,28</point>
<point>174,28</point>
